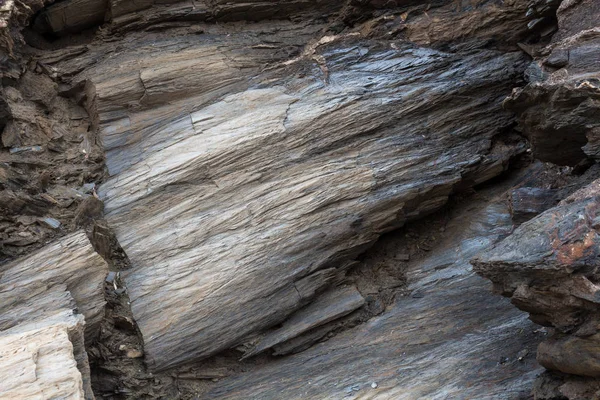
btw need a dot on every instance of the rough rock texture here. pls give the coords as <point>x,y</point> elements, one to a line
<point>48,300</point>
<point>43,360</point>
<point>560,108</point>
<point>447,339</point>
<point>69,269</point>
<point>267,182</point>
<point>250,161</point>
<point>254,150</point>
<point>549,268</point>
<point>527,202</point>
<point>49,158</point>
<point>331,306</point>
<point>549,265</point>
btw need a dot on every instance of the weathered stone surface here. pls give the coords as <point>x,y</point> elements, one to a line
<point>65,274</point>
<point>549,267</point>
<point>249,163</point>
<point>324,168</point>
<point>571,355</point>
<point>332,305</point>
<point>561,112</point>
<point>448,339</point>
<point>45,359</point>
<point>71,16</point>
<point>48,300</point>
<point>527,202</point>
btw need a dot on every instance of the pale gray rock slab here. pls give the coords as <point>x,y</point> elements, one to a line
<point>67,273</point>
<point>45,359</point>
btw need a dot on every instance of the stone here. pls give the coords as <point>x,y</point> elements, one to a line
<point>45,359</point>
<point>286,131</point>
<point>527,202</point>
<point>326,308</point>
<point>67,273</point>
<point>560,114</point>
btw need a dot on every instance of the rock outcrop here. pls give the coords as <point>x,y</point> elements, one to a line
<point>448,338</point>
<point>549,265</point>
<point>560,109</point>
<point>51,302</point>
<point>549,268</point>
<point>247,167</point>
<point>45,360</point>
<point>253,150</point>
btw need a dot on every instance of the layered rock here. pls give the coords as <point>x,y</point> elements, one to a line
<point>548,266</point>
<point>45,360</point>
<point>51,302</point>
<point>239,194</point>
<point>448,338</point>
<point>250,162</point>
<point>559,110</point>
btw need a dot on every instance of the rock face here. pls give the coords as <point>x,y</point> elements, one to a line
<point>67,271</point>
<point>48,301</point>
<point>254,149</point>
<point>448,324</point>
<point>549,265</point>
<point>250,163</point>
<point>560,109</point>
<point>549,268</point>
<point>45,360</point>
<point>243,179</point>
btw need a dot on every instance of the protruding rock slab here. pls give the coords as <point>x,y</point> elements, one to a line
<point>71,16</point>
<point>550,268</point>
<point>560,109</point>
<point>47,300</point>
<point>561,244</point>
<point>45,359</point>
<point>67,273</point>
<point>328,307</point>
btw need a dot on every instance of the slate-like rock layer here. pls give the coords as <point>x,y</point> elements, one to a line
<point>238,194</point>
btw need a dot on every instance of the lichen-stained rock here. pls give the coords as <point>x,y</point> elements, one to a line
<point>67,273</point>
<point>260,189</point>
<point>45,359</point>
<point>560,110</point>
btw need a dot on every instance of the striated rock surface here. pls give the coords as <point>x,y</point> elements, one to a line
<point>45,360</point>
<point>243,179</point>
<point>67,272</point>
<point>254,150</point>
<point>448,338</point>
<point>549,268</point>
<point>49,301</point>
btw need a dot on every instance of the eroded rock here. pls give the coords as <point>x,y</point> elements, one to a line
<point>560,112</point>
